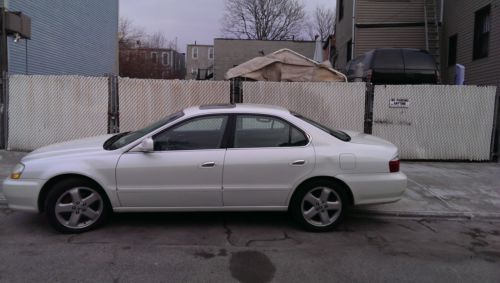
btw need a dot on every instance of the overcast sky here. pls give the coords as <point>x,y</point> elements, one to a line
<point>188,20</point>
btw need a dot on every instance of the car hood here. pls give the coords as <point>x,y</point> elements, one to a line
<point>72,147</point>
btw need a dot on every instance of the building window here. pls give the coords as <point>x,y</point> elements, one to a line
<point>165,58</point>
<point>452,50</point>
<point>211,53</point>
<point>349,51</point>
<point>195,53</point>
<point>154,57</point>
<point>482,27</point>
<point>341,10</point>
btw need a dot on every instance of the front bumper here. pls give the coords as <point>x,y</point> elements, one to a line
<point>375,188</point>
<point>22,194</point>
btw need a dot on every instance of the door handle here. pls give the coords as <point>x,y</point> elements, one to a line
<point>298,162</point>
<point>208,164</point>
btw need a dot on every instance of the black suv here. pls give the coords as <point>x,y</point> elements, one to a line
<point>396,66</point>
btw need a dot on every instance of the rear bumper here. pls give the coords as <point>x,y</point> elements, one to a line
<point>22,194</point>
<point>375,188</point>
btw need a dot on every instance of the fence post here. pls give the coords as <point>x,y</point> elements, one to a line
<point>369,96</point>
<point>495,137</point>
<point>236,91</point>
<point>113,105</point>
<point>4,110</point>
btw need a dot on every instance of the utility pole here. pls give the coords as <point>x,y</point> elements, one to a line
<point>12,24</point>
<point>4,68</point>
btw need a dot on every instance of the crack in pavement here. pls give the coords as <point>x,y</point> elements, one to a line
<point>228,233</point>
<point>285,237</point>
<point>421,222</point>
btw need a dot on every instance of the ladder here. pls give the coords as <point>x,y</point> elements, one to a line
<point>432,43</point>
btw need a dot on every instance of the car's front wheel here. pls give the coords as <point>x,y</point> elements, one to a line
<point>75,206</point>
<point>319,205</point>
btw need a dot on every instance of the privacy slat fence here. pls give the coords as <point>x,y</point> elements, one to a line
<point>143,102</point>
<point>437,122</point>
<point>338,105</point>
<point>49,109</point>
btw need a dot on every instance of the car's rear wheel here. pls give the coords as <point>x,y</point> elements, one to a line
<point>319,205</point>
<point>75,206</point>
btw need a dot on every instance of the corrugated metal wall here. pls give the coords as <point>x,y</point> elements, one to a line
<point>68,37</point>
<point>337,105</point>
<point>441,121</point>
<point>143,102</point>
<point>49,109</point>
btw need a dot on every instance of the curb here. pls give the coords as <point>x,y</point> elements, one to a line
<point>427,214</point>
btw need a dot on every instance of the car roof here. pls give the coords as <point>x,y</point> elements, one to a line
<point>236,108</point>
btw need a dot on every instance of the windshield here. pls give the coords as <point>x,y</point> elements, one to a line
<point>122,139</point>
<point>336,133</point>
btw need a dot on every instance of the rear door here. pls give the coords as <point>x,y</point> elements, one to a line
<point>268,157</point>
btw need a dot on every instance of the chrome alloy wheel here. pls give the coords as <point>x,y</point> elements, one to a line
<point>321,206</point>
<point>79,207</point>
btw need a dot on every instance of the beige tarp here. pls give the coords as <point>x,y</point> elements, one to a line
<point>286,65</point>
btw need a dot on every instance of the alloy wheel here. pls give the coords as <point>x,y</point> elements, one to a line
<point>79,207</point>
<point>321,206</point>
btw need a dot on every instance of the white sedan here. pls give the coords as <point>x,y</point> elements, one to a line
<point>210,158</point>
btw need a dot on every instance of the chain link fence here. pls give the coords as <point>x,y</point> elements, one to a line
<point>426,122</point>
<point>337,105</point>
<point>438,122</point>
<point>145,101</point>
<point>49,109</point>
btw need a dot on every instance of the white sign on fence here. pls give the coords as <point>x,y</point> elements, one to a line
<point>399,103</point>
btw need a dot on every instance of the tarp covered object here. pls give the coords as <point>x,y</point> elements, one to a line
<point>286,65</point>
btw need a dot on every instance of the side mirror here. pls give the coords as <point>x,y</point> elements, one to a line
<point>147,145</point>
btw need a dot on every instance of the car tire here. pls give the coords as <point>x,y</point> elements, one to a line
<point>319,205</point>
<point>76,206</point>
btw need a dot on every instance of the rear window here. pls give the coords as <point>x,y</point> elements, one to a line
<point>418,60</point>
<point>388,59</point>
<point>336,133</point>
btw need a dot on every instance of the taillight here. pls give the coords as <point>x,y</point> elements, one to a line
<point>394,165</point>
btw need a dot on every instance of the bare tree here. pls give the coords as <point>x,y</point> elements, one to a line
<point>322,22</point>
<point>158,40</point>
<point>263,19</point>
<point>129,34</point>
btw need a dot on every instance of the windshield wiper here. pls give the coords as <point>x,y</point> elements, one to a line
<point>107,144</point>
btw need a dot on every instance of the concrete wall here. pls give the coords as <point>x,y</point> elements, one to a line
<point>232,52</point>
<point>202,62</point>
<point>68,37</point>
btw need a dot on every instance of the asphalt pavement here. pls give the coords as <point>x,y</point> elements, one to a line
<point>445,229</point>
<point>248,247</point>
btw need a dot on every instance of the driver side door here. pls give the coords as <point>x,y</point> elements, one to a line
<point>183,171</point>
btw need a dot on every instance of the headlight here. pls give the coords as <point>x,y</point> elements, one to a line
<point>17,171</point>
